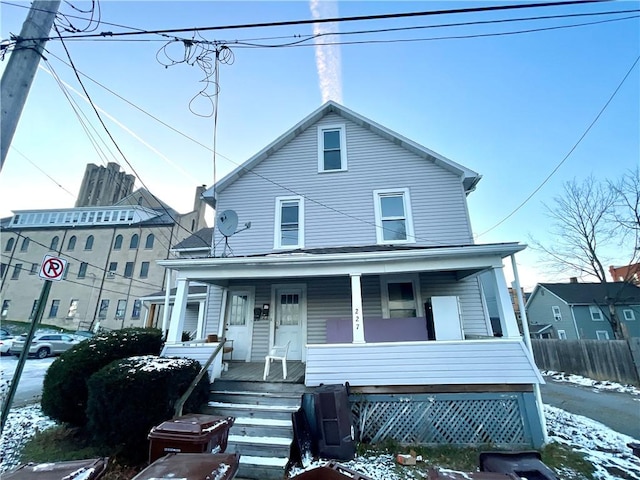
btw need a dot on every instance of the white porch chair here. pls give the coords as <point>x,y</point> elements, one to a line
<point>277,352</point>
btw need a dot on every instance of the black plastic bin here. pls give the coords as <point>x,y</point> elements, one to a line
<point>526,464</point>
<point>91,469</point>
<point>333,421</point>
<point>192,466</point>
<point>195,433</point>
<point>330,471</point>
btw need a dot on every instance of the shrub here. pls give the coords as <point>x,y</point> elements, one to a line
<point>64,392</point>
<point>129,397</point>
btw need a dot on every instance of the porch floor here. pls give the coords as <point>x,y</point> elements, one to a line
<point>253,371</point>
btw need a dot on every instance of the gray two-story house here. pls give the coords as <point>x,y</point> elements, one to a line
<point>360,256</point>
<point>573,311</point>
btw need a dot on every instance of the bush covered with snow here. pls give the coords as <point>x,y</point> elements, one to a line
<point>130,396</point>
<point>64,392</point>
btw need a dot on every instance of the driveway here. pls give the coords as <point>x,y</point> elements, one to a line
<point>30,385</point>
<point>618,411</point>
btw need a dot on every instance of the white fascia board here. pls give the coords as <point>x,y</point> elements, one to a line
<point>272,266</point>
<point>160,298</point>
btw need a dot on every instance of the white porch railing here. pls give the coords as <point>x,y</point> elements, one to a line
<point>464,362</point>
<point>197,351</point>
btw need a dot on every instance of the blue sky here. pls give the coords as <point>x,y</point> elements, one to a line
<point>509,107</point>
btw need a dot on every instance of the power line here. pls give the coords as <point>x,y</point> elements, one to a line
<point>593,122</point>
<point>45,173</point>
<point>336,19</point>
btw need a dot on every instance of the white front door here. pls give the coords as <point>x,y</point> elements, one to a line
<point>239,323</point>
<point>290,319</point>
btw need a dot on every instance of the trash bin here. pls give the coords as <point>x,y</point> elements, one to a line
<point>192,466</point>
<point>195,433</point>
<point>526,464</point>
<point>331,471</point>
<point>333,418</point>
<point>91,469</point>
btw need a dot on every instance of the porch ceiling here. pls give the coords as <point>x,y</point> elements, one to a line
<point>464,260</point>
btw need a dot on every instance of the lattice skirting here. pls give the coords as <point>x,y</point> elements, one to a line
<point>456,419</point>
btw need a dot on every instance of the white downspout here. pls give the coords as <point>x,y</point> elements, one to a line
<point>527,341</point>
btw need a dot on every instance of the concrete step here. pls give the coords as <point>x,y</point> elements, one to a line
<point>259,446</point>
<point>276,412</point>
<point>274,387</point>
<point>256,398</point>
<point>262,427</point>
<point>262,468</point>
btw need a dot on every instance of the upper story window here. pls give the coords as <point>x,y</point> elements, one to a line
<point>72,243</point>
<point>289,224</point>
<point>25,244</point>
<point>134,241</point>
<point>149,242</point>
<point>394,223</point>
<point>628,315</point>
<point>557,316</point>
<point>117,244</point>
<point>332,148</point>
<point>9,246</point>
<point>596,313</point>
<point>88,245</point>
<point>54,243</point>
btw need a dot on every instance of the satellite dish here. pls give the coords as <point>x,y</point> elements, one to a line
<point>227,222</point>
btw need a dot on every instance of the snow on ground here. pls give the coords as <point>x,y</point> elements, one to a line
<point>588,382</point>
<point>606,449</point>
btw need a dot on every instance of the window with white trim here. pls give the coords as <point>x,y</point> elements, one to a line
<point>562,334</point>
<point>332,148</point>
<point>289,222</point>
<point>557,316</point>
<point>596,313</point>
<point>602,335</point>
<point>394,223</point>
<point>628,314</point>
<point>400,297</point>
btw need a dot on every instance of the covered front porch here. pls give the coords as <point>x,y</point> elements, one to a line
<point>384,316</point>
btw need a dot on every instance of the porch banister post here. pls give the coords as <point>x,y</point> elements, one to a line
<point>527,341</point>
<point>167,302</point>
<point>177,314</point>
<point>224,297</point>
<point>505,307</point>
<point>356,309</point>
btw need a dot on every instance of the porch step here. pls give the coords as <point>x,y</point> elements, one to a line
<point>262,432</point>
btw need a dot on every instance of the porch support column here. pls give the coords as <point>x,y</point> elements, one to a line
<point>224,295</point>
<point>167,301</point>
<point>505,307</point>
<point>356,309</point>
<point>200,328</point>
<point>527,341</point>
<point>177,314</point>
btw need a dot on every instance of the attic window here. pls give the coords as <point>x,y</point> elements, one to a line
<point>332,148</point>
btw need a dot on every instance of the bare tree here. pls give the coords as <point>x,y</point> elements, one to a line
<point>580,229</point>
<point>589,219</point>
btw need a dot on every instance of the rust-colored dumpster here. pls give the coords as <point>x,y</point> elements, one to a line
<point>90,469</point>
<point>195,433</point>
<point>192,466</point>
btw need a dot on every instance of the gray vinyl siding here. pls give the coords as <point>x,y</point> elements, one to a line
<point>539,312</point>
<point>339,206</point>
<point>468,292</point>
<point>212,312</point>
<point>191,319</point>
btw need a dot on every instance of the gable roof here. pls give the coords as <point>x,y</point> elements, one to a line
<point>201,240</point>
<point>469,177</point>
<point>592,293</point>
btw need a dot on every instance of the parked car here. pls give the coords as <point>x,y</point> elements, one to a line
<point>6,339</point>
<point>44,344</point>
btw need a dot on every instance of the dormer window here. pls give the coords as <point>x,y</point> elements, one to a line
<point>332,148</point>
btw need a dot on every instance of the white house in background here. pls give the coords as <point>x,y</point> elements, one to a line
<point>361,255</point>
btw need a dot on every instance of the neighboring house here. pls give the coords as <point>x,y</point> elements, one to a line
<point>111,253</point>
<point>361,256</point>
<point>580,310</point>
<point>628,273</point>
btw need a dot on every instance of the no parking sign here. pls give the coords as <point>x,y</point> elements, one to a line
<point>52,268</point>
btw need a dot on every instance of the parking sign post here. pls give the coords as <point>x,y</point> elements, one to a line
<point>42,303</point>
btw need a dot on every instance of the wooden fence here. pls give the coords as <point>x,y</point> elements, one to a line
<point>604,360</point>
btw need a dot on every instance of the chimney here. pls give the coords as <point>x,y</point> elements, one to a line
<point>573,280</point>
<point>199,207</point>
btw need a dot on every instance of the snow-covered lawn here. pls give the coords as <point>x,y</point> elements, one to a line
<point>606,449</point>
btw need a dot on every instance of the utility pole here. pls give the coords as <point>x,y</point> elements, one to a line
<point>21,68</point>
